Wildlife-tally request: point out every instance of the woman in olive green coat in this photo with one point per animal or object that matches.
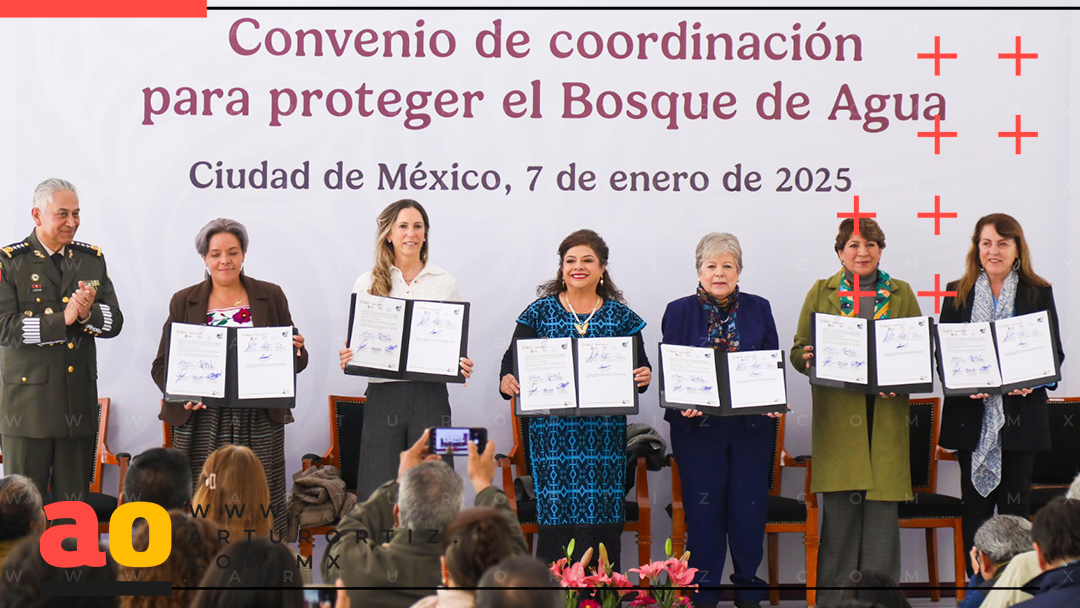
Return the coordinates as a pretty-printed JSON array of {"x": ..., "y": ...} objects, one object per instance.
[{"x": 860, "y": 442}]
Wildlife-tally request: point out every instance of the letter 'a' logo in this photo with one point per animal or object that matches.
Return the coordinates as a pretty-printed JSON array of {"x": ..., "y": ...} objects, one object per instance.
[{"x": 85, "y": 532}]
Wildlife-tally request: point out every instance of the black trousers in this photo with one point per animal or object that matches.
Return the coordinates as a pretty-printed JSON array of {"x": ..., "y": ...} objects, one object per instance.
[
  {"x": 395, "y": 416},
  {"x": 1011, "y": 497}
]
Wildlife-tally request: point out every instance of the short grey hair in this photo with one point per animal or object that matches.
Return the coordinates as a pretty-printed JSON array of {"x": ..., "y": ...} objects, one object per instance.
[
  {"x": 44, "y": 192},
  {"x": 718, "y": 243},
  {"x": 1073, "y": 492},
  {"x": 20, "y": 506},
  {"x": 1002, "y": 537},
  {"x": 221, "y": 224},
  {"x": 429, "y": 497}
]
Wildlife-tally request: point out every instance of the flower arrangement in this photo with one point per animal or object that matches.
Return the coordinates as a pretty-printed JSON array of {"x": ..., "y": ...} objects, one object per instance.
[{"x": 607, "y": 587}]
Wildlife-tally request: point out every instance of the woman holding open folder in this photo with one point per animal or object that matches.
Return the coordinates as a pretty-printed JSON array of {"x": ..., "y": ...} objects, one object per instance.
[
  {"x": 723, "y": 461},
  {"x": 996, "y": 436},
  {"x": 859, "y": 442},
  {"x": 396, "y": 413},
  {"x": 229, "y": 298},
  {"x": 578, "y": 463}
]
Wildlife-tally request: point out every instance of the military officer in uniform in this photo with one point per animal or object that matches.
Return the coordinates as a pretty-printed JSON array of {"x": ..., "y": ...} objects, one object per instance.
[{"x": 55, "y": 300}]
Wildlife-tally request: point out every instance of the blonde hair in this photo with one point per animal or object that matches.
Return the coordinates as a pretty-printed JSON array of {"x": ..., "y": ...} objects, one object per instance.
[
  {"x": 232, "y": 480},
  {"x": 381, "y": 281}
]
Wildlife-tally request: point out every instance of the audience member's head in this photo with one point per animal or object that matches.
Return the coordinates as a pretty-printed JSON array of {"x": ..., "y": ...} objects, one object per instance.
[
  {"x": 232, "y": 492},
  {"x": 1074, "y": 489},
  {"x": 519, "y": 582},
  {"x": 475, "y": 540},
  {"x": 161, "y": 476},
  {"x": 252, "y": 563},
  {"x": 21, "y": 513},
  {"x": 999, "y": 539},
  {"x": 1056, "y": 533},
  {"x": 25, "y": 571},
  {"x": 876, "y": 588},
  {"x": 194, "y": 545},
  {"x": 429, "y": 496}
]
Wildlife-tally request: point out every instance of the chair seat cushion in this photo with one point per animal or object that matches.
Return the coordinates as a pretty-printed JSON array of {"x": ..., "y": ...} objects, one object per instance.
[
  {"x": 103, "y": 505},
  {"x": 784, "y": 510},
  {"x": 527, "y": 511},
  {"x": 931, "y": 506}
]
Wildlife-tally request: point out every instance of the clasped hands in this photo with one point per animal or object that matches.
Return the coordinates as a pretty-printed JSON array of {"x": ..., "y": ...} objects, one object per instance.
[{"x": 78, "y": 305}]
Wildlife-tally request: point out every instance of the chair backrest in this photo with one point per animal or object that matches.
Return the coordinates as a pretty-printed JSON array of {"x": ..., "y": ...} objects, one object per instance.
[
  {"x": 346, "y": 420},
  {"x": 519, "y": 454},
  {"x": 924, "y": 425},
  {"x": 1057, "y": 467},
  {"x": 101, "y": 434},
  {"x": 775, "y": 475}
]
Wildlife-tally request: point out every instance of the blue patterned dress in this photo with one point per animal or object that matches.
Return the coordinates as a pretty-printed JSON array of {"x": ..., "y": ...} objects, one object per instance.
[{"x": 578, "y": 464}]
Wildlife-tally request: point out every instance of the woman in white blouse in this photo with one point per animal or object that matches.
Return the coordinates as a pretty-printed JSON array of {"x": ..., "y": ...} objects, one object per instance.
[{"x": 397, "y": 412}]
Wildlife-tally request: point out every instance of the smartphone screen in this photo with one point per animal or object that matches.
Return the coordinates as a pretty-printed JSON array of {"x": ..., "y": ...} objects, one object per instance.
[
  {"x": 320, "y": 597},
  {"x": 447, "y": 439},
  {"x": 456, "y": 440}
]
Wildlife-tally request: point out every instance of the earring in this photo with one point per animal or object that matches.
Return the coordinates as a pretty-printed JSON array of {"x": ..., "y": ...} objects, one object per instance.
[
  {"x": 601, "y": 281},
  {"x": 1016, "y": 264}
]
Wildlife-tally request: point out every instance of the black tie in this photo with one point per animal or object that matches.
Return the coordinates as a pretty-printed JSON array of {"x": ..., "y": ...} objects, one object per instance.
[{"x": 57, "y": 258}]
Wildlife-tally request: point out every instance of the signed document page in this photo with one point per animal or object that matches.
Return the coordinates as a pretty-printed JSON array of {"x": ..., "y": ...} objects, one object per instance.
[
  {"x": 435, "y": 338},
  {"x": 377, "y": 329},
  {"x": 904, "y": 354},
  {"x": 756, "y": 378},
  {"x": 197, "y": 360},
  {"x": 968, "y": 358},
  {"x": 606, "y": 372},
  {"x": 265, "y": 367},
  {"x": 690, "y": 375},
  {"x": 546, "y": 374},
  {"x": 840, "y": 348},
  {"x": 1025, "y": 348}
]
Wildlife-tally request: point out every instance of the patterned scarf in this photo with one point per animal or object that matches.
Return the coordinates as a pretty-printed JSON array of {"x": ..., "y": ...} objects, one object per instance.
[
  {"x": 881, "y": 300},
  {"x": 721, "y": 316},
  {"x": 986, "y": 459}
]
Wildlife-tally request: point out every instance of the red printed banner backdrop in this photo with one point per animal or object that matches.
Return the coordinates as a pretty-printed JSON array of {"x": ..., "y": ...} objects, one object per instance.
[{"x": 104, "y": 9}]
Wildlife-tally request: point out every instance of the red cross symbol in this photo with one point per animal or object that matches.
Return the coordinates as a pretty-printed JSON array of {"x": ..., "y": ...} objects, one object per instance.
[
  {"x": 1018, "y": 55},
  {"x": 937, "y": 134},
  {"x": 855, "y": 293},
  {"x": 937, "y": 55},
  {"x": 855, "y": 215},
  {"x": 1018, "y": 134},
  {"x": 937, "y": 294},
  {"x": 937, "y": 215}
]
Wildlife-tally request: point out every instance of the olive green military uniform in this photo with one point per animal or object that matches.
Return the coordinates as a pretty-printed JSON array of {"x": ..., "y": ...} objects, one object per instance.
[{"x": 48, "y": 406}]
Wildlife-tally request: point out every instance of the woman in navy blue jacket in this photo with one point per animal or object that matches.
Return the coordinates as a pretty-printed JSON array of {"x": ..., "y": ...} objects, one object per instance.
[{"x": 723, "y": 462}]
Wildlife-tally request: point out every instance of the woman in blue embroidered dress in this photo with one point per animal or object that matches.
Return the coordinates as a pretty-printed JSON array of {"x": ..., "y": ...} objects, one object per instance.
[{"x": 578, "y": 464}]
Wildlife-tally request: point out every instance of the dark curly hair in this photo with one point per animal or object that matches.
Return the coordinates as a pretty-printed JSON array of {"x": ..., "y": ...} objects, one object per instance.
[{"x": 592, "y": 240}]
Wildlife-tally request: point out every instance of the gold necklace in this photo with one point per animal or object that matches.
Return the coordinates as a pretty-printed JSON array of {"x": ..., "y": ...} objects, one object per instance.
[{"x": 579, "y": 325}]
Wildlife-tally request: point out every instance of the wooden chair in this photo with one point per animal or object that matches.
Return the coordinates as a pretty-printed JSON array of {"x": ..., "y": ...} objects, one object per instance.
[
  {"x": 786, "y": 515},
  {"x": 1056, "y": 468},
  {"x": 927, "y": 509},
  {"x": 346, "y": 420},
  {"x": 638, "y": 511}
]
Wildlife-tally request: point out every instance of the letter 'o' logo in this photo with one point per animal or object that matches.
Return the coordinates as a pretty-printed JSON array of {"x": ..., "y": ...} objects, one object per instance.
[{"x": 85, "y": 531}]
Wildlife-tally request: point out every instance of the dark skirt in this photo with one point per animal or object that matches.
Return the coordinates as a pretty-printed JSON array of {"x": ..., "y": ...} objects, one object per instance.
[{"x": 209, "y": 429}]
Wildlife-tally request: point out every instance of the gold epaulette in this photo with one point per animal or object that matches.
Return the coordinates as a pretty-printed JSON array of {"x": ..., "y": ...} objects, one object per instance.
[
  {"x": 15, "y": 249},
  {"x": 87, "y": 248}
]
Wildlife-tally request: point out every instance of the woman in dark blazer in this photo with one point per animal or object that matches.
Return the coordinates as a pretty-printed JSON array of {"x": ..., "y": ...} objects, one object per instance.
[
  {"x": 996, "y": 437},
  {"x": 723, "y": 462},
  {"x": 231, "y": 299}
]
